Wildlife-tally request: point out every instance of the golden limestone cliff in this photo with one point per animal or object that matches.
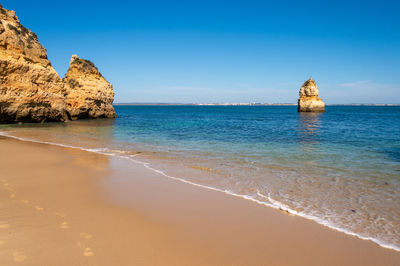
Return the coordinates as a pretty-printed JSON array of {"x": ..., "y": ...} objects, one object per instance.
[
  {"x": 309, "y": 100},
  {"x": 30, "y": 88},
  {"x": 32, "y": 91},
  {"x": 89, "y": 95}
]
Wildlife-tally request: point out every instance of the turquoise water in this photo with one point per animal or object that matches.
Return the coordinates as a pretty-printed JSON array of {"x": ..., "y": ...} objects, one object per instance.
[{"x": 340, "y": 168}]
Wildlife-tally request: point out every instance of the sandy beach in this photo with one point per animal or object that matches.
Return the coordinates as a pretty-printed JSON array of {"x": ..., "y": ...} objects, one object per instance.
[{"x": 64, "y": 206}]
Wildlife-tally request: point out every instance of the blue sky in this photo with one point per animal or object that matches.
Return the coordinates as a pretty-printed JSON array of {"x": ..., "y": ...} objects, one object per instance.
[{"x": 226, "y": 51}]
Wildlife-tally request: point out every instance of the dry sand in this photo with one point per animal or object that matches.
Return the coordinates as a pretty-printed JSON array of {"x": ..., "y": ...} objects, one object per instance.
[{"x": 63, "y": 206}]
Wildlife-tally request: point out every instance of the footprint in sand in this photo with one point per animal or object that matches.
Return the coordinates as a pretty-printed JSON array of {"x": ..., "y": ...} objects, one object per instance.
[
  {"x": 12, "y": 195},
  {"x": 64, "y": 225},
  {"x": 85, "y": 235},
  {"x": 4, "y": 225},
  {"x": 19, "y": 256},
  {"x": 59, "y": 214},
  {"x": 88, "y": 252},
  {"x": 39, "y": 208}
]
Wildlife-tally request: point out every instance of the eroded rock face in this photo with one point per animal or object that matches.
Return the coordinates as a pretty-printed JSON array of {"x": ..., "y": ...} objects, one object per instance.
[
  {"x": 89, "y": 94},
  {"x": 30, "y": 88},
  {"x": 309, "y": 100},
  {"x": 32, "y": 91}
]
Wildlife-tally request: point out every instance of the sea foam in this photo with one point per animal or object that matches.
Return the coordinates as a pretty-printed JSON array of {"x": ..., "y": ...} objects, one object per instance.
[{"x": 267, "y": 201}]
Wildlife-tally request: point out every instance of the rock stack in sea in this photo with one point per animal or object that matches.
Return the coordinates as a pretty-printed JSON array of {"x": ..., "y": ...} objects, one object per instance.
[
  {"x": 32, "y": 91},
  {"x": 309, "y": 100}
]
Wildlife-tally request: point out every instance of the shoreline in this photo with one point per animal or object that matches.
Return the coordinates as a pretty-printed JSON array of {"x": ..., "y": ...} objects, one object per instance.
[
  {"x": 118, "y": 189},
  {"x": 273, "y": 203}
]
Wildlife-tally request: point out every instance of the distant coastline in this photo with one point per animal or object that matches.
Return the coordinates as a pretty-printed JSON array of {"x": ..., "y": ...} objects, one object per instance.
[{"x": 250, "y": 104}]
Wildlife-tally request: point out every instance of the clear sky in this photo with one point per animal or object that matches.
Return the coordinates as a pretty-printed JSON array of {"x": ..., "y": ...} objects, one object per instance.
[{"x": 226, "y": 51}]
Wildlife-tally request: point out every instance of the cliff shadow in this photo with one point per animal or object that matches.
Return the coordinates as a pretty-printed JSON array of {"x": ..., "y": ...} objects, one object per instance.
[{"x": 92, "y": 135}]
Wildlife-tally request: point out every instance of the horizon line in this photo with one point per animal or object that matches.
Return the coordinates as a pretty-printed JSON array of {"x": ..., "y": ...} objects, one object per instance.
[{"x": 251, "y": 104}]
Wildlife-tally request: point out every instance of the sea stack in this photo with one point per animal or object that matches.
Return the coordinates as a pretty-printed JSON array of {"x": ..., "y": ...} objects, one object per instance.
[
  {"x": 31, "y": 91},
  {"x": 309, "y": 100}
]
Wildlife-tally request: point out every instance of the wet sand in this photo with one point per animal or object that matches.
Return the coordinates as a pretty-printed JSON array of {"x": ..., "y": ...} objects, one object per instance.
[{"x": 63, "y": 206}]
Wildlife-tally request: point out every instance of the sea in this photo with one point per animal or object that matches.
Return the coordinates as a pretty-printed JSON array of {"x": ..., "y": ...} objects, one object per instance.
[{"x": 340, "y": 168}]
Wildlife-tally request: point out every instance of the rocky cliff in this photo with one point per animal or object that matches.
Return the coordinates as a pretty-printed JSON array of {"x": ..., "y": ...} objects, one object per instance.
[
  {"x": 30, "y": 88},
  {"x": 309, "y": 100},
  {"x": 32, "y": 91},
  {"x": 89, "y": 95}
]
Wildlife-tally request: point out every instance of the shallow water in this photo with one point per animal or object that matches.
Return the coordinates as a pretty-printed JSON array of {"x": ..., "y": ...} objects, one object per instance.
[{"x": 340, "y": 168}]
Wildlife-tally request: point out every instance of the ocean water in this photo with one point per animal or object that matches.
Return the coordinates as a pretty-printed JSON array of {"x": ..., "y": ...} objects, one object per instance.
[{"x": 340, "y": 168}]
